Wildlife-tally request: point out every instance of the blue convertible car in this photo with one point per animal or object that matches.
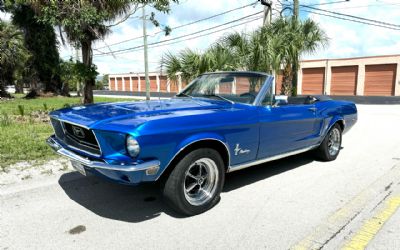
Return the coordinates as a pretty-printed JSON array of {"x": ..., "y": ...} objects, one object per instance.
[{"x": 221, "y": 122}]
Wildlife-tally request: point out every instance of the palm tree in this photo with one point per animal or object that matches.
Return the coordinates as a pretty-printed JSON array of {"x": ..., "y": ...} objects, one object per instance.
[
  {"x": 292, "y": 39},
  {"x": 266, "y": 49},
  {"x": 189, "y": 63},
  {"x": 13, "y": 55},
  {"x": 236, "y": 51},
  {"x": 251, "y": 51}
]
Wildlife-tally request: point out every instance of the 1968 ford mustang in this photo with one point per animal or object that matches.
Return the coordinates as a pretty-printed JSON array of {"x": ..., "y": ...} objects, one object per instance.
[{"x": 221, "y": 122}]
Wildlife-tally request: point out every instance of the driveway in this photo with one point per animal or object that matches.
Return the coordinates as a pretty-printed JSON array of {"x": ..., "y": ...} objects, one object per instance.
[{"x": 294, "y": 203}]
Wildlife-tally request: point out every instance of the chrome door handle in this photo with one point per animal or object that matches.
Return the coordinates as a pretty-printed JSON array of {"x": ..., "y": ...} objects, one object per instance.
[{"x": 313, "y": 109}]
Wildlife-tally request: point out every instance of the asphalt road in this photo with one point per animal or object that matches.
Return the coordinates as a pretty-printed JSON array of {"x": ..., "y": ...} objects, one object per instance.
[{"x": 294, "y": 203}]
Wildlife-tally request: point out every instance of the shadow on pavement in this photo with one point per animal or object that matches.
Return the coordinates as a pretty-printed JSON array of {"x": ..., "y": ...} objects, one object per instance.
[
  {"x": 113, "y": 201},
  {"x": 261, "y": 172},
  {"x": 144, "y": 202}
]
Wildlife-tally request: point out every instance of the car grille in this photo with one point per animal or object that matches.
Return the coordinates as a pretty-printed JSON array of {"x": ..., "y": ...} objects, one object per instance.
[{"x": 77, "y": 137}]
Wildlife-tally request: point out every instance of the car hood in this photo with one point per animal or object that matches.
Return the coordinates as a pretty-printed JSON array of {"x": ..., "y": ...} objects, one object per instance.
[{"x": 132, "y": 114}]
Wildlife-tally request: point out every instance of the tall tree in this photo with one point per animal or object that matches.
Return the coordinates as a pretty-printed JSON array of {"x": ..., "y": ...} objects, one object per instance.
[
  {"x": 13, "y": 55},
  {"x": 41, "y": 41},
  {"x": 85, "y": 21},
  {"x": 294, "y": 38},
  {"x": 235, "y": 51}
]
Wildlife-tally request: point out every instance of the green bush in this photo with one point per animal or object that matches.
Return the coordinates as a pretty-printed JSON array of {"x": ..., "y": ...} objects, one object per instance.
[{"x": 21, "y": 110}]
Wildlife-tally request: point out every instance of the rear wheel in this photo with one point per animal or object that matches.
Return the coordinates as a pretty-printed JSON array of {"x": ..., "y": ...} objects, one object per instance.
[
  {"x": 330, "y": 146},
  {"x": 196, "y": 182}
]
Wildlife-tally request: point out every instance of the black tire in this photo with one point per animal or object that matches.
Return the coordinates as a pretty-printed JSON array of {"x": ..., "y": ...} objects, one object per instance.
[
  {"x": 328, "y": 151},
  {"x": 175, "y": 190}
]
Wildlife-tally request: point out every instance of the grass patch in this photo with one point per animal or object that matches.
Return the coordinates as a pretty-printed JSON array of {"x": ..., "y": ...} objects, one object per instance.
[
  {"x": 24, "y": 142},
  {"x": 19, "y": 105},
  {"x": 24, "y": 139}
]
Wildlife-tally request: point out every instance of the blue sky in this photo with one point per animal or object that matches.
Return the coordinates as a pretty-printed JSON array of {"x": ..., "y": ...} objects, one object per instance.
[{"x": 347, "y": 39}]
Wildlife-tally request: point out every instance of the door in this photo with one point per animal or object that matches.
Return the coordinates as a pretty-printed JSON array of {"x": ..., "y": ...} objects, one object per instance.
[
  {"x": 286, "y": 128},
  {"x": 380, "y": 79},
  {"x": 313, "y": 81},
  {"x": 344, "y": 80}
]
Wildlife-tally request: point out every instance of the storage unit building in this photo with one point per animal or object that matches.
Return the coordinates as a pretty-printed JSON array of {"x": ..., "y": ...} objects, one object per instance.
[
  {"x": 380, "y": 79},
  {"x": 344, "y": 80}
]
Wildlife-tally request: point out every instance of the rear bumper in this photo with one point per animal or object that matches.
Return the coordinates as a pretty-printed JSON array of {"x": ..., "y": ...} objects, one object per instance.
[{"x": 125, "y": 174}]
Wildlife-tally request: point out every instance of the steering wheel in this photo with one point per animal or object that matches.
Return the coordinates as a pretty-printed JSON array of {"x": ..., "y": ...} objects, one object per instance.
[{"x": 248, "y": 94}]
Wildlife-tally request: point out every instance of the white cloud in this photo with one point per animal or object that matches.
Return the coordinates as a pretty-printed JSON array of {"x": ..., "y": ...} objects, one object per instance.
[{"x": 348, "y": 39}]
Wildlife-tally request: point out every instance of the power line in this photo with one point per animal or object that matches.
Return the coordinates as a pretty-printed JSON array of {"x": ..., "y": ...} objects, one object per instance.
[
  {"x": 352, "y": 20},
  {"x": 383, "y": 4},
  {"x": 319, "y": 4},
  {"x": 316, "y": 4},
  {"x": 183, "y": 36},
  {"x": 138, "y": 48},
  {"x": 210, "y": 33},
  {"x": 184, "y": 25},
  {"x": 351, "y": 16},
  {"x": 363, "y": 20}
]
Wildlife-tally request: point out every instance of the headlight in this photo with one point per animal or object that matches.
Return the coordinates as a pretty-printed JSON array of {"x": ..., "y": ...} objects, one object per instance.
[{"x": 132, "y": 146}]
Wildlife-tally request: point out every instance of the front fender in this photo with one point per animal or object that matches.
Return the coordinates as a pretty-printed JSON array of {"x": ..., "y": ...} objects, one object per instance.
[
  {"x": 187, "y": 141},
  {"x": 199, "y": 137}
]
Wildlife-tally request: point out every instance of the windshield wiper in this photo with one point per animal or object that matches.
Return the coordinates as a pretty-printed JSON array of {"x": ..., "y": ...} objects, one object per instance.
[{"x": 220, "y": 97}]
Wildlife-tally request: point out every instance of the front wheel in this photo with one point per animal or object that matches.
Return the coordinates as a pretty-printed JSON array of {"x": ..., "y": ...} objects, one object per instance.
[
  {"x": 330, "y": 146},
  {"x": 195, "y": 184}
]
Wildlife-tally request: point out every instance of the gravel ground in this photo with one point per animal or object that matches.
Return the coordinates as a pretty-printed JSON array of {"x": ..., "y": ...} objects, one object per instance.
[{"x": 21, "y": 172}]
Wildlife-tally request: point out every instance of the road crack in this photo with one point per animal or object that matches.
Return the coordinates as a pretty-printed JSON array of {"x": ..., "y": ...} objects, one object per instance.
[{"x": 339, "y": 230}]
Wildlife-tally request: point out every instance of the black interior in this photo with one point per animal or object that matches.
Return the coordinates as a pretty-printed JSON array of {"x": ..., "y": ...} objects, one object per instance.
[
  {"x": 291, "y": 100},
  {"x": 302, "y": 100}
]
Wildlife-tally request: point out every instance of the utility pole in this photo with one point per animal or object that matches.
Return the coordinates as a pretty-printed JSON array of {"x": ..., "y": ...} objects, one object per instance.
[
  {"x": 146, "y": 63},
  {"x": 267, "y": 21},
  {"x": 296, "y": 9},
  {"x": 294, "y": 68},
  {"x": 78, "y": 84},
  {"x": 267, "y": 11}
]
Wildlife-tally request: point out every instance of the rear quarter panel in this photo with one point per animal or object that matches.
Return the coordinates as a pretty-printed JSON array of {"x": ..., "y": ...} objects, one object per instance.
[{"x": 332, "y": 111}]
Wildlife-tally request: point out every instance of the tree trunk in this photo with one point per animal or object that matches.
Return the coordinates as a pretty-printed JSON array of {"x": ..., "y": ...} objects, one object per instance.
[
  {"x": 19, "y": 88},
  {"x": 295, "y": 76},
  {"x": 34, "y": 83},
  {"x": 287, "y": 79},
  {"x": 88, "y": 82},
  {"x": 65, "y": 89},
  {"x": 60, "y": 87},
  {"x": 78, "y": 89}
]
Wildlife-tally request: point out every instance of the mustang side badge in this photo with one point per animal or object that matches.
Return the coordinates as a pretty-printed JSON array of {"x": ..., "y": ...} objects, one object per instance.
[{"x": 238, "y": 150}]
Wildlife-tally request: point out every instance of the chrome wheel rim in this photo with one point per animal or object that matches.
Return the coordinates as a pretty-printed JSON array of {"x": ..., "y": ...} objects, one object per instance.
[
  {"x": 200, "y": 182},
  {"x": 334, "y": 141}
]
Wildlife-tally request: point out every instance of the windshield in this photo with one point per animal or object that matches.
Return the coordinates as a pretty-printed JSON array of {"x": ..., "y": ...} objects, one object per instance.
[{"x": 230, "y": 87}]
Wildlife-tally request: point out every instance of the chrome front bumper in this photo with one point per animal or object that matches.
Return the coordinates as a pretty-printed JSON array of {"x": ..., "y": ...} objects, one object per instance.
[{"x": 149, "y": 167}]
